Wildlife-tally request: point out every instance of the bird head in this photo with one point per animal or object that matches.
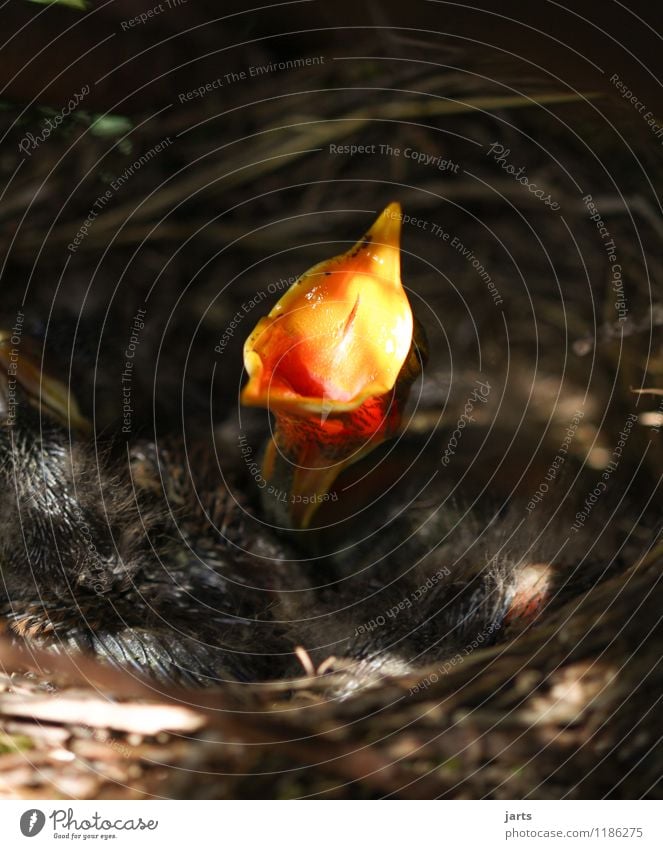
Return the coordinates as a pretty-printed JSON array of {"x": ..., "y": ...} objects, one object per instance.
[{"x": 334, "y": 361}]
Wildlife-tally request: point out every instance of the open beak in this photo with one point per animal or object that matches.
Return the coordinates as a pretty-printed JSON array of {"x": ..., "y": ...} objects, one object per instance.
[
  {"x": 333, "y": 361},
  {"x": 21, "y": 365}
]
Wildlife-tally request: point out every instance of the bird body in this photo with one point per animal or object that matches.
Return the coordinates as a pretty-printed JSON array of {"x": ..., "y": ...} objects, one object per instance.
[
  {"x": 201, "y": 591},
  {"x": 156, "y": 562}
]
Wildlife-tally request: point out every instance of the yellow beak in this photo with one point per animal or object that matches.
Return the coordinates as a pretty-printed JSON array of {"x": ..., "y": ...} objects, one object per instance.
[{"x": 333, "y": 361}]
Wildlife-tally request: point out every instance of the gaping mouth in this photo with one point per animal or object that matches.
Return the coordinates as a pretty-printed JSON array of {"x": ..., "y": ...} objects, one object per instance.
[
  {"x": 23, "y": 380},
  {"x": 334, "y": 361},
  {"x": 339, "y": 335}
]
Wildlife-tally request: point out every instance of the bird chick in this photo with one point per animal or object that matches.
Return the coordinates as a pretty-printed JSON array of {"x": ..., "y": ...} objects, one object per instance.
[{"x": 119, "y": 559}]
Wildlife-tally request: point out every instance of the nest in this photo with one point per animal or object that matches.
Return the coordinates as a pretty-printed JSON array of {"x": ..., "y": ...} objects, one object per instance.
[{"x": 194, "y": 210}]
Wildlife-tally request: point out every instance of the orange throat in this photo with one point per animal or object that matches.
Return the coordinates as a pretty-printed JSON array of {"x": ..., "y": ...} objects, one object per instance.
[{"x": 333, "y": 361}]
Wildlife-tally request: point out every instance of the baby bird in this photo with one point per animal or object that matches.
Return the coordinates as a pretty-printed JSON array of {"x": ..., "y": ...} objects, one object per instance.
[
  {"x": 109, "y": 557},
  {"x": 405, "y": 573},
  {"x": 145, "y": 556}
]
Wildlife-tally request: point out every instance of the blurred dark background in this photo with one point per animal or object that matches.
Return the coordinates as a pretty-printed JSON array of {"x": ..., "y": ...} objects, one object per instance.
[
  {"x": 165, "y": 169},
  {"x": 204, "y": 182}
]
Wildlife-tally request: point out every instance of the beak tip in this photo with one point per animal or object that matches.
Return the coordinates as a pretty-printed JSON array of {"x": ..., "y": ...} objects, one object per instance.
[{"x": 386, "y": 230}]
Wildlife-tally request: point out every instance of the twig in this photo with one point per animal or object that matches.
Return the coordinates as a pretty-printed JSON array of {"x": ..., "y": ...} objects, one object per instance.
[{"x": 97, "y": 713}]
